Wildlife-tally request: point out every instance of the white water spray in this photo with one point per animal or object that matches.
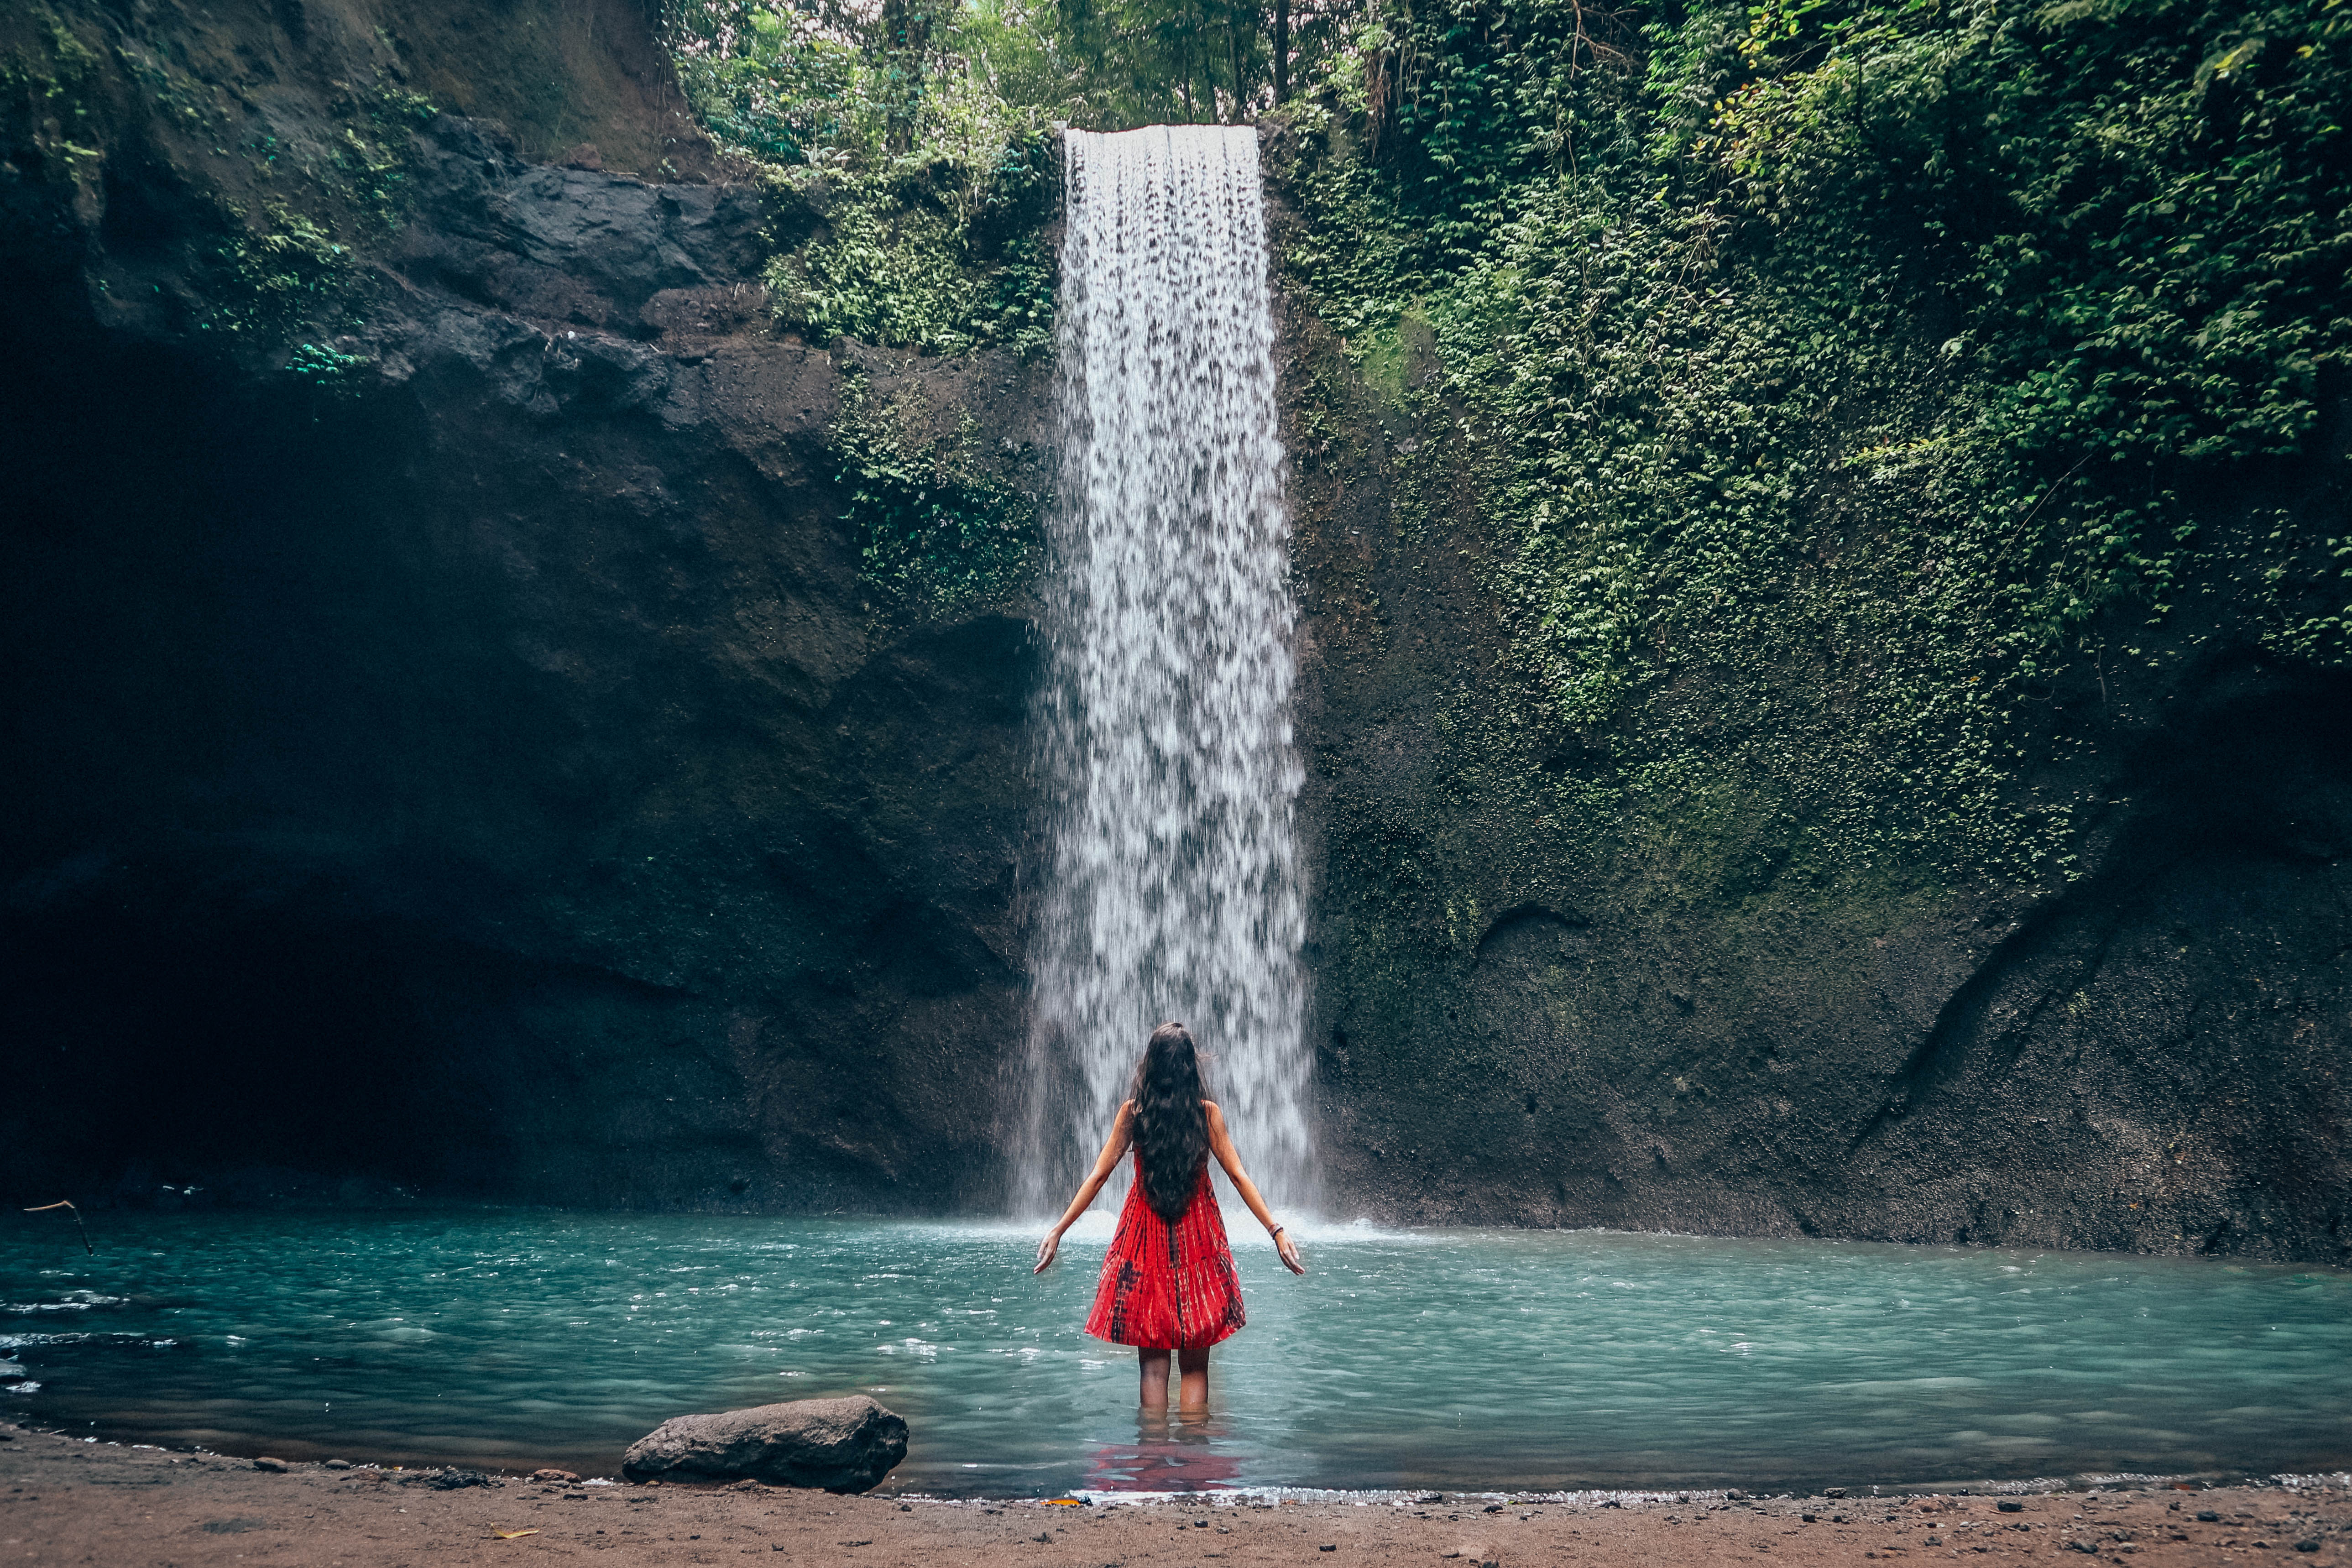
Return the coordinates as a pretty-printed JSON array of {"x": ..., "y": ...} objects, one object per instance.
[{"x": 1172, "y": 889}]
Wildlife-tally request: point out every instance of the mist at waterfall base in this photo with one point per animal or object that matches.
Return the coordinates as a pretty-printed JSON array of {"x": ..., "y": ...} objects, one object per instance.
[
  {"x": 1458, "y": 1360},
  {"x": 1170, "y": 888}
]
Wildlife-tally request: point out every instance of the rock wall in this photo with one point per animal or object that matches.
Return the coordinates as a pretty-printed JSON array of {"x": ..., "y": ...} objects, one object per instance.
[
  {"x": 1533, "y": 1009},
  {"x": 457, "y": 754},
  {"x": 461, "y": 750}
]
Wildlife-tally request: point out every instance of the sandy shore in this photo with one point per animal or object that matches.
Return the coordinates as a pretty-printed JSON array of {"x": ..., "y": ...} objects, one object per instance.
[{"x": 64, "y": 1500}]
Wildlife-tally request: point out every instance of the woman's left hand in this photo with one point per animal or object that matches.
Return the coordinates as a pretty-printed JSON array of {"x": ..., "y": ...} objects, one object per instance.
[{"x": 1047, "y": 1251}]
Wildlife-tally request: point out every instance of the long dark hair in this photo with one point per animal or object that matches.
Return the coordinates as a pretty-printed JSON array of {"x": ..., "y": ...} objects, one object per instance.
[{"x": 1171, "y": 1130}]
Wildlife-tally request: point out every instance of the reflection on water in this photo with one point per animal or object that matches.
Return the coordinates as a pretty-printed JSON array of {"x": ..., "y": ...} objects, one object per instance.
[
  {"x": 1440, "y": 1358},
  {"x": 1170, "y": 1453}
]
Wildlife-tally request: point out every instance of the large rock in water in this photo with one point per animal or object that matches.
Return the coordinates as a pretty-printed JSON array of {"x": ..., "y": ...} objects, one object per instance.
[{"x": 841, "y": 1445}]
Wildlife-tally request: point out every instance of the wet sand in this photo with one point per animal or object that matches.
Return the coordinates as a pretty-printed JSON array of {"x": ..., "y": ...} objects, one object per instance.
[{"x": 64, "y": 1500}]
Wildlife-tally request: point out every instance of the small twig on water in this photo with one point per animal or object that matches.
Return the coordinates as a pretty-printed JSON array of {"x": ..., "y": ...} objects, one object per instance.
[{"x": 64, "y": 1203}]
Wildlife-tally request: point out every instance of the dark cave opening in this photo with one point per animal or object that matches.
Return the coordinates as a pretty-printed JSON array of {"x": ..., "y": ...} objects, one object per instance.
[
  {"x": 209, "y": 971},
  {"x": 258, "y": 1056},
  {"x": 2259, "y": 765}
]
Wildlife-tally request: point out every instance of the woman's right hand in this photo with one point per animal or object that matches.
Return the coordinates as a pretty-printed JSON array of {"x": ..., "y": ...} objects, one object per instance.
[
  {"x": 1047, "y": 1251},
  {"x": 1288, "y": 1250}
]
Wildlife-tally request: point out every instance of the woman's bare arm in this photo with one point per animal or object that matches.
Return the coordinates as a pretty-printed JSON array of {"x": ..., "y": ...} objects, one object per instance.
[
  {"x": 1220, "y": 1144},
  {"x": 1122, "y": 1133}
]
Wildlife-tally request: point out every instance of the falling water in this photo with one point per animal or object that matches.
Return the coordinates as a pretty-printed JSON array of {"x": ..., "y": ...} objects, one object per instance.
[{"x": 1172, "y": 889}]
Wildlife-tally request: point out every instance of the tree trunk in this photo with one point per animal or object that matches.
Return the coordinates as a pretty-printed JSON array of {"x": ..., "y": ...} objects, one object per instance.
[
  {"x": 906, "y": 37},
  {"x": 1233, "y": 50},
  {"x": 1281, "y": 50}
]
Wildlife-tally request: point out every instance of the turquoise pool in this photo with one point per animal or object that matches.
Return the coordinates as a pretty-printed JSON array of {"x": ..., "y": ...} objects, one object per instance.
[{"x": 1451, "y": 1359}]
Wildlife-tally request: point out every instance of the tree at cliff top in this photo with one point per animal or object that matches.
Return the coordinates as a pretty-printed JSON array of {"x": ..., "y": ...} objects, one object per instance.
[
  {"x": 912, "y": 186},
  {"x": 784, "y": 80},
  {"x": 918, "y": 137}
]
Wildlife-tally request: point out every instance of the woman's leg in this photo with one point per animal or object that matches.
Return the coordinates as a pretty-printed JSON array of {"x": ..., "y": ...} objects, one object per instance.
[
  {"x": 1194, "y": 1366},
  {"x": 1154, "y": 1366}
]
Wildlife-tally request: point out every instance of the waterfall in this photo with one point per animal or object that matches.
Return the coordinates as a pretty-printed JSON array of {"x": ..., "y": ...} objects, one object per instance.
[{"x": 1171, "y": 889}]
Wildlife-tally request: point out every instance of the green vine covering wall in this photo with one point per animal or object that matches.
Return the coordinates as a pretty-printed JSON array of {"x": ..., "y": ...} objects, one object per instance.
[
  {"x": 941, "y": 530},
  {"x": 272, "y": 227},
  {"x": 1849, "y": 369}
]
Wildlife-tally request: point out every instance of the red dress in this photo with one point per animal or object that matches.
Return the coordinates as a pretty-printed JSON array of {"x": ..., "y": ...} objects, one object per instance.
[{"x": 1168, "y": 1287}]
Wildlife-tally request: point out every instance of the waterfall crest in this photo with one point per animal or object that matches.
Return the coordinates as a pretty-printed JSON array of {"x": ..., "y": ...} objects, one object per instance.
[{"x": 1171, "y": 889}]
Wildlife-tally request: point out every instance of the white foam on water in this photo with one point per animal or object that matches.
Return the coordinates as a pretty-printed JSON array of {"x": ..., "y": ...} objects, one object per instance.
[{"x": 1171, "y": 889}]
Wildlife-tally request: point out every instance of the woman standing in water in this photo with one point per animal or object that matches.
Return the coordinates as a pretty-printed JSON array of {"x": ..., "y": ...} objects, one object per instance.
[{"x": 1168, "y": 1282}]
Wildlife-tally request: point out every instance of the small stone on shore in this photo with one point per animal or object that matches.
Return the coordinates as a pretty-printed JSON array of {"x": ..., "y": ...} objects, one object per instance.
[
  {"x": 451, "y": 1479},
  {"x": 839, "y": 1445},
  {"x": 267, "y": 1463}
]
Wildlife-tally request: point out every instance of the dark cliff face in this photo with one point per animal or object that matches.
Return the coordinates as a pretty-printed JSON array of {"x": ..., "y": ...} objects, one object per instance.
[{"x": 475, "y": 767}]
